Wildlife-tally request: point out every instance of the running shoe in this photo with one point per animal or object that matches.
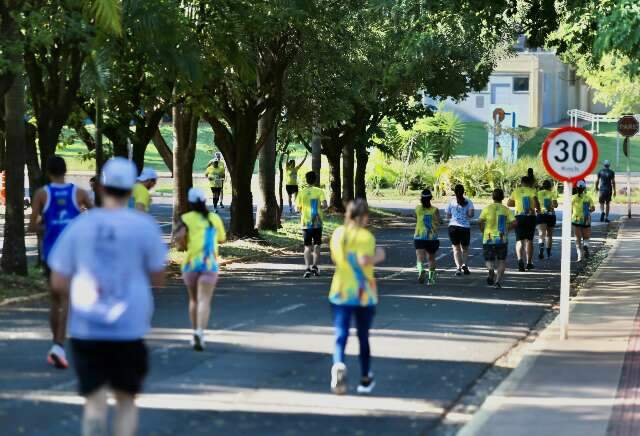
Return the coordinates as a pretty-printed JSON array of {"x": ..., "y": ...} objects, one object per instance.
[
  {"x": 198, "y": 341},
  {"x": 307, "y": 273},
  {"x": 465, "y": 269},
  {"x": 586, "y": 252},
  {"x": 366, "y": 384},
  {"x": 490, "y": 278},
  {"x": 339, "y": 378},
  {"x": 458, "y": 272},
  {"x": 530, "y": 266},
  {"x": 221, "y": 206},
  {"x": 422, "y": 276},
  {"x": 521, "y": 265},
  {"x": 57, "y": 357},
  {"x": 432, "y": 277},
  {"x": 498, "y": 285},
  {"x": 315, "y": 271}
]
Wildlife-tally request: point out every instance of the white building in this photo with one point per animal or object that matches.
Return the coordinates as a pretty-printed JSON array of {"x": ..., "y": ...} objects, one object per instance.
[{"x": 535, "y": 84}]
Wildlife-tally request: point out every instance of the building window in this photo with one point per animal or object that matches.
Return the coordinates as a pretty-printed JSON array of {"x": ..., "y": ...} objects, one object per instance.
[
  {"x": 520, "y": 84},
  {"x": 479, "y": 101}
]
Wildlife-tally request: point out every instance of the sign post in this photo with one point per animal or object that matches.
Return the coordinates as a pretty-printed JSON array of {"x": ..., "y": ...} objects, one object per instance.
[
  {"x": 628, "y": 126},
  {"x": 569, "y": 154}
]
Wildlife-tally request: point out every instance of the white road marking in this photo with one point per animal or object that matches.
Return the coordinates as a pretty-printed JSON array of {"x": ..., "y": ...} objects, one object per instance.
[{"x": 289, "y": 308}]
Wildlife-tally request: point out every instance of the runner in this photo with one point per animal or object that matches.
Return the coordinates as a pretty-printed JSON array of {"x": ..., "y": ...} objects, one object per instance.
[
  {"x": 526, "y": 203},
  {"x": 141, "y": 197},
  {"x": 606, "y": 187},
  {"x": 311, "y": 202},
  {"x": 546, "y": 219},
  {"x": 496, "y": 220},
  {"x": 215, "y": 174},
  {"x": 425, "y": 238},
  {"x": 459, "y": 212},
  {"x": 582, "y": 207},
  {"x": 292, "y": 179},
  {"x": 53, "y": 208},
  {"x": 200, "y": 233},
  {"x": 106, "y": 261},
  {"x": 353, "y": 292}
]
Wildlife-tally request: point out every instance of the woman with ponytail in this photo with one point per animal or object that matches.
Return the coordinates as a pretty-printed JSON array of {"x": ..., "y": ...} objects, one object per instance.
[
  {"x": 200, "y": 233},
  {"x": 353, "y": 292},
  {"x": 425, "y": 238},
  {"x": 459, "y": 212}
]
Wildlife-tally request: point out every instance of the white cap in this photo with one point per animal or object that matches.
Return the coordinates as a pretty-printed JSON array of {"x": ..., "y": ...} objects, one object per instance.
[
  {"x": 218, "y": 155},
  {"x": 147, "y": 174},
  {"x": 581, "y": 184},
  {"x": 119, "y": 173},
  {"x": 607, "y": 163},
  {"x": 197, "y": 195}
]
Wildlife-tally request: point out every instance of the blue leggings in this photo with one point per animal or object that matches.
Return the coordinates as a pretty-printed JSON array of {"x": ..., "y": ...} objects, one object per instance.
[{"x": 342, "y": 322}]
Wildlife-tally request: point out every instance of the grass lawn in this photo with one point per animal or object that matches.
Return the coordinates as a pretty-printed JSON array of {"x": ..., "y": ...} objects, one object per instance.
[{"x": 12, "y": 286}]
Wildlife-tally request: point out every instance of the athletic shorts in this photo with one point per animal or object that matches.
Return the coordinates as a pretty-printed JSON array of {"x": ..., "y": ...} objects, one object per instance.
[
  {"x": 582, "y": 226},
  {"x": 460, "y": 235},
  {"x": 292, "y": 189},
  {"x": 430, "y": 246},
  {"x": 526, "y": 228},
  {"x": 121, "y": 365},
  {"x": 312, "y": 236},
  {"x": 191, "y": 279},
  {"x": 605, "y": 196},
  {"x": 216, "y": 191},
  {"x": 546, "y": 218},
  {"x": 494, "y": 251}
]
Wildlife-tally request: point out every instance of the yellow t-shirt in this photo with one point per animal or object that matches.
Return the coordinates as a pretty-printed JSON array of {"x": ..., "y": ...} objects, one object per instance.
[
  {"x": 497, "y": 218},
  {"x": 309, "y": 203},
  {"x": 426, "y": 223},
  {"x": 546, "y": 199},
  {"x": 525, "y": 200},
  {"x": 141, "y": 195},
  {"x": 215, "y": 175},
  {"x": 581, "y": 208},
  {"x": 203, "y": 239},
  {"x": 352, "y": 284},
  {"x": 292, "y": 176}
]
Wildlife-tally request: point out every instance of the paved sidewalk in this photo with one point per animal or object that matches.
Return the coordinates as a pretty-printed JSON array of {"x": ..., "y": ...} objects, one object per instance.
[{"x": 588, "y": 384}]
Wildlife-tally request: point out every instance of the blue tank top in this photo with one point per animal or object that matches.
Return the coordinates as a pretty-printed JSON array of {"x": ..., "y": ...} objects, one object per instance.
[{"x": 58, "y": 212}]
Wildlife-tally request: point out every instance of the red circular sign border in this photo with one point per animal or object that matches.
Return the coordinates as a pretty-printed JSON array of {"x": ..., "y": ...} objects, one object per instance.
[{"x": 547, "y": 142}]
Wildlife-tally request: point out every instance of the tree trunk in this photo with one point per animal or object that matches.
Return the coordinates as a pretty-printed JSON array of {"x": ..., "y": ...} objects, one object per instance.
[
  {"x": 31, "y": 156},
  {"x": 267, "y": 215},
  {"x": 163, "y": 149},
  {"x": 280, "y": 187},
  {"x": 347, "y": 173},
  {"x": 2, "y": 135},
  {"x": 362, "y": 158},
  {"x": 335, "y": 196},
  {"x": 316, "y": 152},
  {"x": 14, "y": 256},
  {"x": 185, "y": 131},
  {"x": 241, "y": 171}
]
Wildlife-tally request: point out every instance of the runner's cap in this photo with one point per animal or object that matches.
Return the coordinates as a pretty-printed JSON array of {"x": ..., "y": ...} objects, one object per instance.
[
  {"x": 607, "y": 163},
  {"x": 147, "y": 174},
  {"x": 581, "y": 184},
  {"x": 118, "y": 173},
  {"x": 197, "y": 195}
]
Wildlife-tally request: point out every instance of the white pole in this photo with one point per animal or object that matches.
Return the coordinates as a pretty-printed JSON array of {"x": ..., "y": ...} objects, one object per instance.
[
  {"x": 628, "y": 177},
  {"x": 565, "y": 264}
]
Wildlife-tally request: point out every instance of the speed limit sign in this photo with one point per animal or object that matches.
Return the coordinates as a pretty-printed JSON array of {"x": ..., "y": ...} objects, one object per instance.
[{"x": 569, "y": 154}]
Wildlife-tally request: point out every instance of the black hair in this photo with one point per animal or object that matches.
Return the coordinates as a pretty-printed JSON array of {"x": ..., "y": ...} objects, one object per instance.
[
  {"x": 117, "y": 192},
  {"x": 310, "y": 177},
  {"x": 56, "y": 166},
  {"x": 459, "y": 192},
  {"x": 291, "y": 162},
  {"x": 425, "y": 198},
  {"x": 530, "y": 172},
  {"x": 525, "y": 180},
  {"x": 497, "y": 195},
  {"x": 201, "y": 208},
  {"x": 546, "y": 184}
]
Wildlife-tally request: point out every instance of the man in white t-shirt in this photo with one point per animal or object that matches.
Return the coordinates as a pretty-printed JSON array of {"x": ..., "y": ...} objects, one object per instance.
[
  {"x": 107, "y": 260},
  {"x": 459, "y": 212}
]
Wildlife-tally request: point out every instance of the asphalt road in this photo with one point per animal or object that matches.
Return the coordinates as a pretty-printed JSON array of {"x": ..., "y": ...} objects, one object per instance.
[{"x": 266, "y": 367}]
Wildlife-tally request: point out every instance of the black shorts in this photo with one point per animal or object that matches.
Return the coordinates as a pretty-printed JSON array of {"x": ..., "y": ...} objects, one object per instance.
[
  {"x": 546, "y": 218},
  {"x": 121, "y": 365},
  {"x": 526, "y": 228},
  {"x": 292, "y": 189},
  {"x": 312, "y": 236},
  {"x": 430, "y": 246},
  {"x": 459, "y": 235},
  {"x": 216, "y": 191},
  {"x": 582, "y": 226},
  {"x": 605, "y": 196},
  {"x": 494, "y": 251}
]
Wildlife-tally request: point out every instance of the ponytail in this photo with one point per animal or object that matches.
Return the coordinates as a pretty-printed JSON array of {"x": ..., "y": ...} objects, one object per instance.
[
  {"x": 201, "y": 208},
  {"x": 459, "y": 192}
]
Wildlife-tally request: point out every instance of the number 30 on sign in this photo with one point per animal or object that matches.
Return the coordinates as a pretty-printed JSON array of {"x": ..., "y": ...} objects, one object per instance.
[{"x": 570, "y": 154}]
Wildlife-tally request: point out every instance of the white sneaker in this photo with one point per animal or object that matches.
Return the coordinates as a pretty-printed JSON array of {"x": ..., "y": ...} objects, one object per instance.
[
  {"x": 198, "y": 340},
  {"x": 339, "y": 378},
  {"x": 57, "y": 357},
  {"x": 366, "y": 384}
]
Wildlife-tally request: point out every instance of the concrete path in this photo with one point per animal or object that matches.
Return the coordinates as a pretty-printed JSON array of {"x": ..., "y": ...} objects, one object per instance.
[{"x": 586, "y": 385}]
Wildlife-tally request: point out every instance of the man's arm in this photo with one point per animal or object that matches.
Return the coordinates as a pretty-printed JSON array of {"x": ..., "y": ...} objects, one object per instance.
[
  {"x": 157, "y": 279},
  {"x": 36, "y": 210},
  {"x": 181, "y": 237},
  {"x": 598, "y": 182},
  {"x": 303, "y": 161}
]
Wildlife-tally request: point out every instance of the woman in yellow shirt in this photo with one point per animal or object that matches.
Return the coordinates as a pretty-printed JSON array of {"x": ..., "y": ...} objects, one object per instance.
[
  {"x": 425, "y": 238},
  {"x": 546, "y": 218},
  {"x": 581, "y": 208},
  {"x": 200, "y": 233},
  {"x": 292, "y": 179},
  {"x": 353, "y": 292}
]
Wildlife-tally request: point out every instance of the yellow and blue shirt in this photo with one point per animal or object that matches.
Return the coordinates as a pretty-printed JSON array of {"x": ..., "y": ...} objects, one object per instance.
[
  {"x": 581, "y": 205},
  {"x": 497, "y": 218},
  {"x": 352, "y": 284},
  {"x": 309, "y": 203},
  {"x": 546, "y": 199},
  {"x": 524, "y": 198},
  {"x": 140, "y": 195},
  {"x": 292, "y": 176},
  {"x": 427, "y": 220},
  {"x": 215, "y": 175},
  {"x": 203, "y": 240}
]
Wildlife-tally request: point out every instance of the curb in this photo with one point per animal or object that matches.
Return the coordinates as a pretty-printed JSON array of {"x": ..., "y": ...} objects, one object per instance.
[{"x": 25, "y": 299}]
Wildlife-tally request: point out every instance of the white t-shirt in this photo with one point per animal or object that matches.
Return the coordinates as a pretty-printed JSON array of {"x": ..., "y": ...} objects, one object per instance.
[
  {"x": 108, "y": 254},
  {"x": 459, "y": 214}
]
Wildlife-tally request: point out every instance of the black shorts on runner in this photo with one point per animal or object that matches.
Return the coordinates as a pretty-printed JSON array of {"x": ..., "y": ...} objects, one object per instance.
[
  {"x": 429, "y": 246},
  {"x": 605, "y": 196},
  {"x": 292, "y": 189},
  {"x": 546, "y": 218},
  {"x": 526, "y": 228},
  {"x": 216, "y": 191},
  {"x": 121, "y": 365},
  {"x": 582, "y": 226},
  {"x": 459, "y": 235},
  {"x": 312, "y": 236},
  {"x": 494, "y": 251}
]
